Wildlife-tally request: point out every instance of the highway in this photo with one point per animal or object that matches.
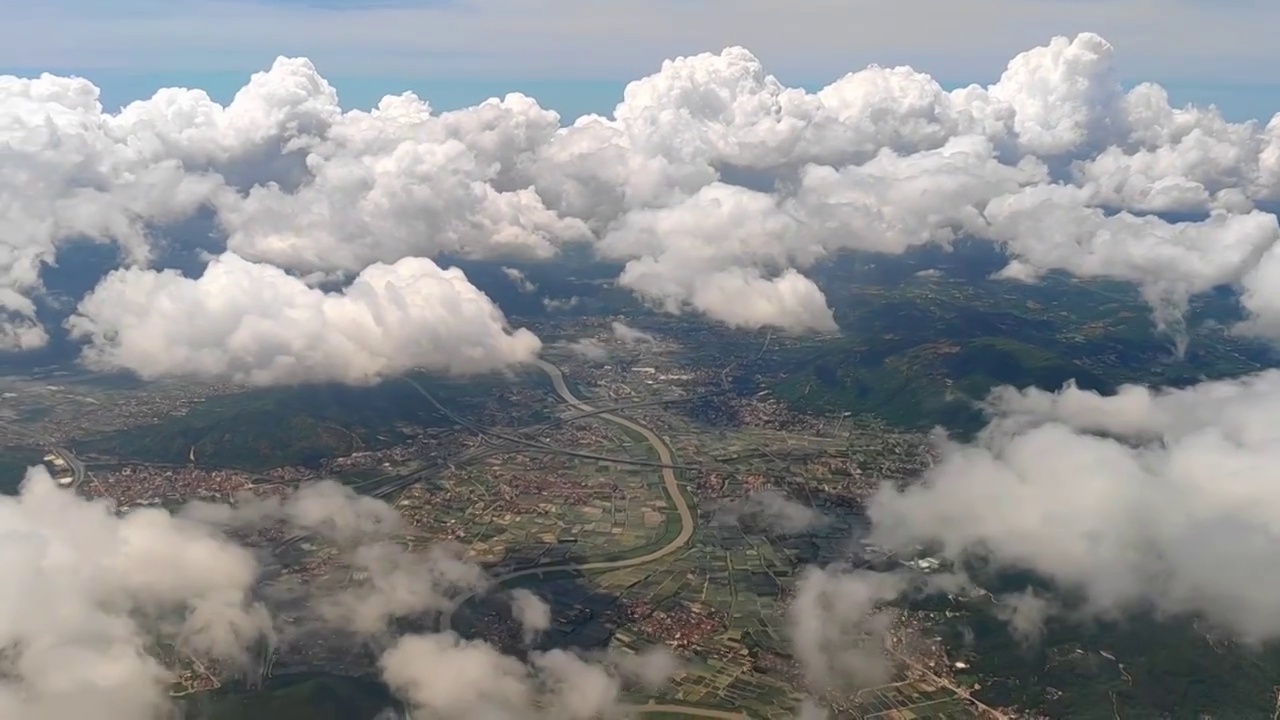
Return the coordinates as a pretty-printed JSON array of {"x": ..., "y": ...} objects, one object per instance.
[
  {"x": 666, "y": 463},
  {"x": 543, "y": 447},
  {"x": 989, "y": 712},
  {"x": 627, "y": 406},
  {"x": 654, "y": 708},
  {"x": 668, "y": 476},
  {"x": 499, "y": 441},
  {"x": 672, "y": 486},
  {"x": 668, "y": 480},
  {"x": 77, "y": 467}
]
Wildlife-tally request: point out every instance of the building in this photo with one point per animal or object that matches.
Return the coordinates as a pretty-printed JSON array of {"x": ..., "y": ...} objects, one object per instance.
[{"x": 59, "y": 469}]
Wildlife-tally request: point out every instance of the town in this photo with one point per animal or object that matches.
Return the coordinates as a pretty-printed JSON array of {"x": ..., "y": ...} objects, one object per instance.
[{"x": 520, "y": 480}]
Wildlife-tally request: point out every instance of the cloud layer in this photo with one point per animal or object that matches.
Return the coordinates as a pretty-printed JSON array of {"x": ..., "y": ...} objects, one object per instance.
[
  {"x": 99, "y": 605},
  {"x": 717, "y": 187},
  {"x": 1158, "y": 500},
  {"x": 255, "y": 323},
  {"x": 1149, "y": 500},
  {"x": 89, "y": 597}
]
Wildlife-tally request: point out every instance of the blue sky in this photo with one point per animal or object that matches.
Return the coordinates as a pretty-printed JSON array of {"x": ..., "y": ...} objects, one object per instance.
[
  {"x": 572, "y": 98},
  {"x": 575, "y": 55}
]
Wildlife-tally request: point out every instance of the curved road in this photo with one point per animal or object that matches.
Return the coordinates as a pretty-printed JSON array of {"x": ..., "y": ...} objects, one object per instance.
[
  {"x": 76, "y": 465},
  {"x": 668, "y": 481},
  {"x": 682, "y": 508},
  {"x": 655, "y": 708}
]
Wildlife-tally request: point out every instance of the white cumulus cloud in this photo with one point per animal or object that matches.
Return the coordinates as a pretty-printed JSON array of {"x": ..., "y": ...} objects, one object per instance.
[
  {"x": 255, "y": 323},
  {"x": 99, "y": 605},
  {"x": 716, "y": 185},
  {"x": 88, "y": 594},
  {"x": 1146, "y": 499}
]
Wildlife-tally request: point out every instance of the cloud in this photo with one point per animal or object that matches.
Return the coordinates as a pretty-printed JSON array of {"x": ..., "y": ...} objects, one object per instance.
[
  {"x": 450, "y": 678},
  {"x": 99, "y": 605},
  {"x": 626, "y": 334},
  {"x": 1143, "y": 500},
  {"x": 716, "y": 186},
  {"x": 518, "y": 278},
  {"x": 88, "y": 594},
  {"x": 598, "y": 351},
  {"x": 774, "y": 511},
  {"x": 256, "y": 324},
  {"x": 325, "y": 508},
  {"x": 1048, "y": 228},
  {"x": 439, "y": 673},
  {"x": 809, "y": 710},
  {"x": 399, "y": 182},
  {"x": 590, "y": 349},
  {"x": 335, "y": 512},
  {"x": 398, "y": 583},
  {"x": 389, "y": 581},
  {"x": 556, "y": 305},
  {"x": 1026, "y": 613},
  {"x": 838, "y": 632},
  {"x": 651, "y": 667},
  {"x": 532, "y": 612}
]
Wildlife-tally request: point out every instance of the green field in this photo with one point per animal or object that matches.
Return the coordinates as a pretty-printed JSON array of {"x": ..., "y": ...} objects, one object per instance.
[
  {"x": 295, "y": 697},
  {"x": 268, "y": 428}
]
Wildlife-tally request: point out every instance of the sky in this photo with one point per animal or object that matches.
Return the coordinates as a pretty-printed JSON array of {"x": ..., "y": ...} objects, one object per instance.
[{"x": 576, "y": 55}]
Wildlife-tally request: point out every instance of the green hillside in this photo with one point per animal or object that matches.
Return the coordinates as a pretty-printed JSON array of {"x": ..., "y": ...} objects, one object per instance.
[
  {"x": 267, "y": 428},
  {"x": 323, "y": 697},
  {"x": 919, "y": 352}
]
